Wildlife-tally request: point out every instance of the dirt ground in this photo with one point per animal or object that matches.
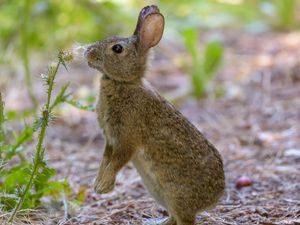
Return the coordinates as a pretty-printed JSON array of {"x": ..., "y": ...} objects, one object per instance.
[{"x": 255, "y": 125}]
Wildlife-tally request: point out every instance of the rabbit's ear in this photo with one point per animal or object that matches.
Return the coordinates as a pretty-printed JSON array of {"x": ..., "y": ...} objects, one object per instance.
[
  {"x": 150, "y": 27},
  {"x": 151, "y": 31}
]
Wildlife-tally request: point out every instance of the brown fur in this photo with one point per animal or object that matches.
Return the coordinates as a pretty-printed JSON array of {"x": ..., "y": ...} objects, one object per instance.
[{"x": 181, "y": 169}]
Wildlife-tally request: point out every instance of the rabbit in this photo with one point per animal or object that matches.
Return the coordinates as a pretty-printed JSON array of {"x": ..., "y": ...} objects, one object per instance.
[{"x": 180, "y": 168}]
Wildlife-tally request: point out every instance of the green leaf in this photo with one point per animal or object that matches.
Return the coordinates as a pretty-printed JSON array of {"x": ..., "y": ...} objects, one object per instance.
[
  {"x": 2, "y": 168},
  {"x": 198, "y": 84},
  {"x": 91, "y": 98},
  {"x": 8, "y": 201},
  {"x": 60, "y": 97},
  {"x": 16, "y": 148},
  {"x": 13, "y": 115},
  {"x": 41, "y": 181},
  {"x": 55, "y": 188},
  {"x": 81, "y": 195},
  {"x": 191, "y": 37},
  {"x": 11, "y": 152},
  {"x": 18, "y": 176},
  {"x": 78, "y": 105},
  {"x": 286, "y": 12},
  {"x": 25, "y": 135},
  {"x": 212, "y": 58}
]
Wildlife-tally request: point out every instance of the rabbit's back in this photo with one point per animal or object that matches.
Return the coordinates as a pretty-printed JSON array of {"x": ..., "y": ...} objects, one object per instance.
[{"x": 179, "y": 158}]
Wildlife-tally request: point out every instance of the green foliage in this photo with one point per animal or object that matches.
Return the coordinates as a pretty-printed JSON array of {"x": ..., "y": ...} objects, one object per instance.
[
  {"x": 25, "y": 50},
  {"x": 42, "y": 24},
  {"x": 31, "y": 25},
  {"x": 191, "y": 42},
  {"x": 25, "y": 183},
  {"x": 50, "y": 24},
  {"x": 79, "y": 105},
  {"x": 286, "y": 13},
  {"x": 253, "y": 15},
  {"x": 203, "y": 67},
  {"x": 212, "y": 58},
  {"x": 17, "y": 147},
  {"x": 60, "y": 97},
  {"x": 274, "y": 14}
]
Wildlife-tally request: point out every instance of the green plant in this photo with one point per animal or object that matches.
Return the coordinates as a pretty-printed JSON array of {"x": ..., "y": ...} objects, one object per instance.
[
  {"x": 275, "y": 14},
  {"x": 204, "y": 66},
  {"x": 24, "y": 184},
  {"x": 48, "y": 25},
  {"x": 286, "y": 13},
  {"x": 79, "y": 105},
  {"x": 25, "y": 40},
  {"x": 31, "y": 25}
]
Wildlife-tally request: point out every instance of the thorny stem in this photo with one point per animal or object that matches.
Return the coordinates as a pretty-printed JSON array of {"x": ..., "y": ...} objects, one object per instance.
[
  {"x": 38, "y": 157},
  {"x": 36, "y": 162},
  {"x": 52, "y": 74}
]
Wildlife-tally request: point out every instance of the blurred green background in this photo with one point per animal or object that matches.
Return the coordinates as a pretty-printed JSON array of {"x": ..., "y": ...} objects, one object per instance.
[
  {"x": 38, "y": 29},
  {"x": 43, "y": 26}
]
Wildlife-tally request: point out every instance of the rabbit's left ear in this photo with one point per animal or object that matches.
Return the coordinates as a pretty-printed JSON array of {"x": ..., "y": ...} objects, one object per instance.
[{"x": 149, "y": 28}]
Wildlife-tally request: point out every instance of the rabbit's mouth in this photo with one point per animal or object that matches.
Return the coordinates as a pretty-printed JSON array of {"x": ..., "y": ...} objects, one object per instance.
[
  {"x": 95, "y": 66},
  {"x": 92, "y": 65}
]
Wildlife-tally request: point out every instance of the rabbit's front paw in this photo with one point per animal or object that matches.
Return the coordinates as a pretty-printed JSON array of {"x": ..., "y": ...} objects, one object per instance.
[
  {"x": 97, "y": 181},
  {"x": 104, "y": 186}
]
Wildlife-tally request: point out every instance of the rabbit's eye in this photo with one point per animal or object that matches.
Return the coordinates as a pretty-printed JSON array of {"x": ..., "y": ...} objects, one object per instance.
[{"x": 117, "y": 48}]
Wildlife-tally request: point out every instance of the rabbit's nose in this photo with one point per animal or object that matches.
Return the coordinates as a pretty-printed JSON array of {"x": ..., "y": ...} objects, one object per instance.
[{"x": 90, "y": 53}]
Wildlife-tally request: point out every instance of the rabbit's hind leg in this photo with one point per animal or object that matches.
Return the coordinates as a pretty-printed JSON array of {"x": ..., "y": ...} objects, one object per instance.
[
  {"x": 185, "y": 220},
  {"x": 183, "y": 216}
]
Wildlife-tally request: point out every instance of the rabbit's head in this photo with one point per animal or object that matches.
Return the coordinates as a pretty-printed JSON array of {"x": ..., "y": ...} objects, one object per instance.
[{"x": 124, "y": 59}]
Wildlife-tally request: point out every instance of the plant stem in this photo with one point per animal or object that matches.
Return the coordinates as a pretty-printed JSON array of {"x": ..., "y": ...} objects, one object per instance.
[
  {"x": 24, "y": 52},
  {"x": 52, "y": 74},
  {"x": 38, "y": 157},
  {"x": 36, "y": 162}
]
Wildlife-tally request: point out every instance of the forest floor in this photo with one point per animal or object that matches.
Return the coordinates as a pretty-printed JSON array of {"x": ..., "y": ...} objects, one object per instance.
[{"x": 255, "y": 125}]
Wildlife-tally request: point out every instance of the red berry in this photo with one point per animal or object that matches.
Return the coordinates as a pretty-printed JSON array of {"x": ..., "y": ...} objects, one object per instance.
[{"x": 243, "y": 181}]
